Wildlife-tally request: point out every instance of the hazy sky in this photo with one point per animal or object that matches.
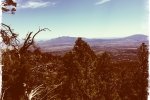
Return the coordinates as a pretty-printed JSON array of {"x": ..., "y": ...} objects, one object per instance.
[{"x": 85, "y": 18}]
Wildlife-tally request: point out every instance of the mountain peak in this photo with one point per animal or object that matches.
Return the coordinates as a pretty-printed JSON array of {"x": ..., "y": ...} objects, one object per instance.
[{"x": 137, "y": 36}]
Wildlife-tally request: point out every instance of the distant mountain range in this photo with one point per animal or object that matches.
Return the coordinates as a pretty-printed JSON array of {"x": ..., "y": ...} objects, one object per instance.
[{"x": 66, "y": 42}]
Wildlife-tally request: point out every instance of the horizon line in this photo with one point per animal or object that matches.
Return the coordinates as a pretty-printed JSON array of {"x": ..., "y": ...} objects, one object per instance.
[{"x": 38, "y": 39}]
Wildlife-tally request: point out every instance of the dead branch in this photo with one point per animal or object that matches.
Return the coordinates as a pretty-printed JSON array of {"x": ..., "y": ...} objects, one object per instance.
[
  {"x": 55, "y": 87},
  {"x": 30, "y": 40},
  {"x": 9, "y": 38},
  {"x": 36, "y": 91}
]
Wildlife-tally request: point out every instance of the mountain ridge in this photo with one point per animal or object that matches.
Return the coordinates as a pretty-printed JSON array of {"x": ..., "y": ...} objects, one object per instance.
[
  {"x": 67, "y": 42},
  {"x": 71, "y": 37}
]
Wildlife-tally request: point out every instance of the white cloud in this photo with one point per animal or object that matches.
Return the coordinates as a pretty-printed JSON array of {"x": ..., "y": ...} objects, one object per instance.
[
  {"x": 102, "y": 2},
  {"x": 35, "y": 4}
]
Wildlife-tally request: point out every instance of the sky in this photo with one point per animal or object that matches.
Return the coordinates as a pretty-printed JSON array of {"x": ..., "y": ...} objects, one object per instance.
[{"x": 80, "y": 18}]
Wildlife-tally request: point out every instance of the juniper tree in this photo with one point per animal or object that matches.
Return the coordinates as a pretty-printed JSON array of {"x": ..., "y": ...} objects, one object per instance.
[{"x": 143, "y": 61}]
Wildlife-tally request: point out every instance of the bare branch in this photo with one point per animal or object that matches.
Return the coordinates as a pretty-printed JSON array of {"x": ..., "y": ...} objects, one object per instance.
[
  {"x": 55, "y": 87},
  {"x": 8, "y": 36},
  {"x": 30, "y": 40},
  {"x": 36, "y": 91}
]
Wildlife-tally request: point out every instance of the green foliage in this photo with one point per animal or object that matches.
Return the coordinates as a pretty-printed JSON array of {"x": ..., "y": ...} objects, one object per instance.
[{"x": 78, "y": 75}]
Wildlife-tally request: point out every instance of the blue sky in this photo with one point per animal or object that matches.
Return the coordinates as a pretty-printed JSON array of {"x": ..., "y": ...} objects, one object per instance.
[{"x": 84, "y": 18}]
